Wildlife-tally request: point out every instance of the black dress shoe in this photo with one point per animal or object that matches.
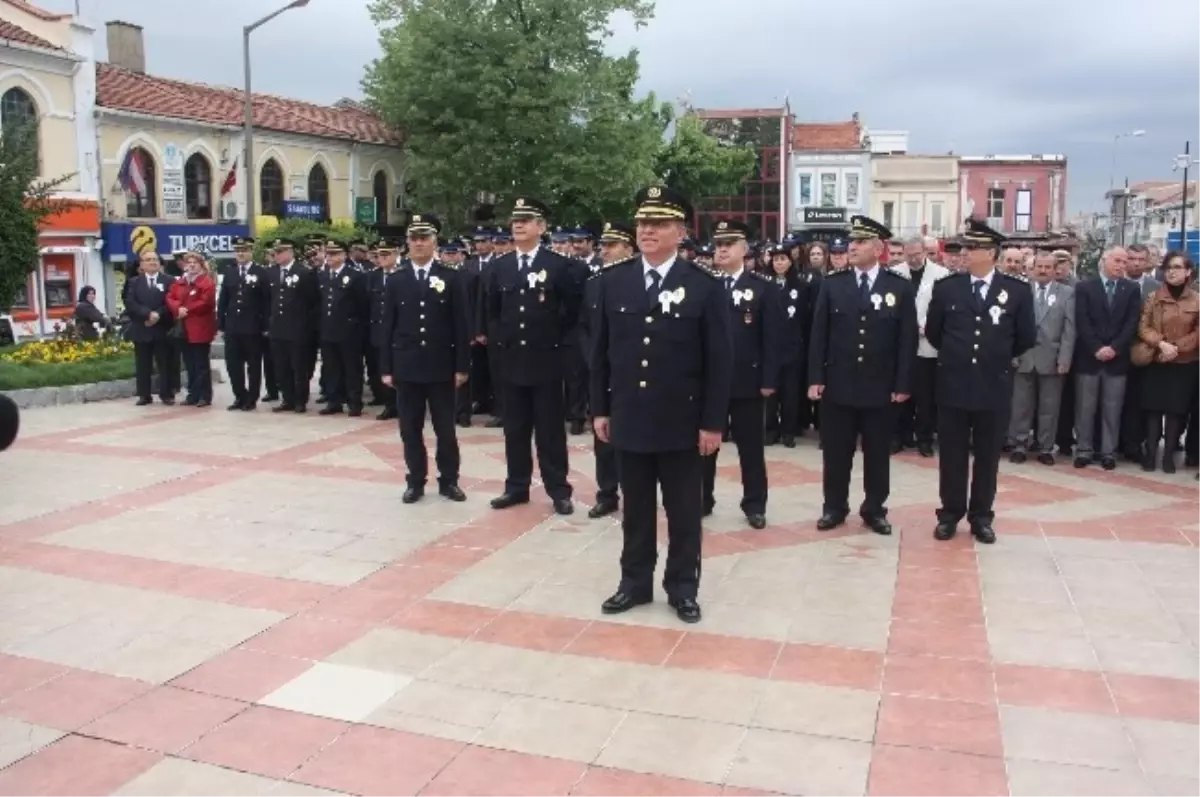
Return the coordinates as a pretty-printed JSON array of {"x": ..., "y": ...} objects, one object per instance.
[
  {"x": 1046, "y": 459},
  {"x": 509, "y": 499},
  {"x": 925, "y": 449},
  {"x": 771, "y": 438},
  {"x": 202, "y": 403},
  {"x": 142, "y": 402},
  {"x": 707, "y": 508},
  {"x": 321, "y": 399},
  {"x": 235, "y": 406},
  {"x": 376, "y": 402},
  {"x": 1108, "y": 463},
  {"x": 983, "y": 532},
  {"x": 622, "y": 602},
  {"x": 563, "y": 506},
  {"x": 355, "y": 412},
  {"x": 464, "y": 423},
  {"x": 494, "y": 423},
  {"x": 897, "y": 446},
  {"x": 388, "y": 414},
  {"x": 453, "y": 492},
  {"x": 284, "y": 408},
  {"x": 300, "y": 409},
  {"x": 576, "y": 427},
  {"x": 788, "y": 441},
  {"x": 879, "y": 525},
  {"x": 829, "y": 521},
  {"x": 190, "y": 402},
  {"x": 1017, "y": 457},
  {"x": 412, "y": 495},
  {"x": 330, "y": 409},
  {"x": 169, "y": 401},
  {"x": 686, "y": 609},
  {"x": 603, "y": 509},
  {"x": 756, "y": 520},
  {"x": 945, "y": 530},
  {"x": 1082, "y": 462},
  {"x": 271, "y": 397}
]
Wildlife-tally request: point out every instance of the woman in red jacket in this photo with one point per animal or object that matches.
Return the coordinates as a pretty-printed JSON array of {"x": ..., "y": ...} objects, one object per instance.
[{"x": 193, "y": 302}]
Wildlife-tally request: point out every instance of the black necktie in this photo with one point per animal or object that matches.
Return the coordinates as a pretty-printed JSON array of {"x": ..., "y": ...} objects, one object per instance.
[
  {"x": 652, "y": 289},
  {"x": 980, "y": 286},
  {"x": 243, "y": 272},
  {"x": 524, "y": 263},
  {"x": 729, "y": 284},
  {"x": 864, "y": 287}
]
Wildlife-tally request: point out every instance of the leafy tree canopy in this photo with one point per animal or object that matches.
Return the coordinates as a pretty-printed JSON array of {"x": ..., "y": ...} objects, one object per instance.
[{"x": 699, "y": 165}]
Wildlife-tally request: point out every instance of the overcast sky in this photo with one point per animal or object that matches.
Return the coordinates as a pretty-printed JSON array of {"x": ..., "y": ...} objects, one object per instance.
[{"x": 1047, "y": 76}]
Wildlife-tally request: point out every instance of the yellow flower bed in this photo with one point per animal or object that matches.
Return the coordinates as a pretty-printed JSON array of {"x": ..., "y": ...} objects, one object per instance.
[{"x": 67, "y": 351}]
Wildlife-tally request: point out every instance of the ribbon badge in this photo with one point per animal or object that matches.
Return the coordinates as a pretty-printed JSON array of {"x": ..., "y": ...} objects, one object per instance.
[
  {"x": 890, "y": 300},
  {"x": 437, "y": 284},
  {"x": 795, "y": 294},
  {"x": 1050, "y": 300},
  {"x": 995, "y": 311},
  {"x": 1002, "y": 297},
  {"x": 876, "y": 300},
  {"x": 791, "y": 310}
]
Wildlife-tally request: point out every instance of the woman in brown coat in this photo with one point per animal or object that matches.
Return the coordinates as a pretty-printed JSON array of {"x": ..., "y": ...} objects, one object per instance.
[{"x": 1168, "y": 386}]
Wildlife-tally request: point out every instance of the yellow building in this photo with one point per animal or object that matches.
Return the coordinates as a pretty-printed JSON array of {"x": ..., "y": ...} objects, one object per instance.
[{"x": 916, "y": 194}]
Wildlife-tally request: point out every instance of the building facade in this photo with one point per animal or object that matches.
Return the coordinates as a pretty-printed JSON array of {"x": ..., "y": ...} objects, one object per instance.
[
  {"x": 916, "y": 194},
  {"x": 47, "y": 78},
  {"x": 1018, "y": 195},
  {"x": 762, "y": 202},
  {"x": 1152, "y": 213},
  {"x": 830, "y": 177}
]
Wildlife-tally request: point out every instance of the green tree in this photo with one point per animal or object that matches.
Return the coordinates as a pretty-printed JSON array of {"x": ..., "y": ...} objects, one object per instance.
[
  {"x": 699, "y": 165},
  {"x": 24, "y": 201},
  {"x": 300, "y": 229},
  {"x": 500, "y": 97}
]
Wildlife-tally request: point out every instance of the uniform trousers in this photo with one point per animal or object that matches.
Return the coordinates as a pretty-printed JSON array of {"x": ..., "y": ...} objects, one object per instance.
[
  {"x": 679, "y": 474},
  {"x": 841, "y": 427},
  {"x": 462, "y": 403},
  {"x": 746, "y": 426},
  {"x": 292, "y": 358},
  {"x": 535, "y": 411},
  {"x": 343, "y": 372},
  {"x": 411, "y": 400},
  {"x": 576, "y": 379},
  {"x": 1036, "y": 402},
  {"x": 243, "y": 363},
  {"x": 783, "y": 406},
  {"x": 153, "y": 356},
  {"x": 382, "y": 393},
  {"x": 496, "y": 370},
  {"x": 961, "y": 434},
  {"x": 268, "y": 368},
  {"x": 608, "y": 472},
  {"x": 480, "y": 383},
  {"x": 924, "y": 404}
]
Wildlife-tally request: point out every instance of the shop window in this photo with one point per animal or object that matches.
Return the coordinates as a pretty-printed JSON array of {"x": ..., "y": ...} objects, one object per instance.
[
  {"x": 804, "y": 183},
  {"x": 1023, "y": 219},
  {"x": 18, "y": 110},
  {"x": 270, "y": 189},
  {"x": 829, "y": 189},
  {"x": 318, "y": 189},
  {"x": 197, "y": 180}
]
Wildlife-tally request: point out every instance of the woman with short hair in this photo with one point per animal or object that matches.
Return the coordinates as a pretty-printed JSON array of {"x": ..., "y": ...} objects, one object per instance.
[{"x": 193, "y": 301}]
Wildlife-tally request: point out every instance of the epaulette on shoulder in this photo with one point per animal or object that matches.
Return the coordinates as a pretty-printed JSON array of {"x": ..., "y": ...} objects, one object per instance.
[
  {"x": 761, "y": 276},
  {"x": 948, "y": 275},
  {"x": 1017, "y": 277},
  {"x": 451, "y": 266},
  {"x": 625, "y": 262},
  {"x": 711, "y": 272},
  {"x": 895, "y": 272},
  {"x": 838, "y": 272}
]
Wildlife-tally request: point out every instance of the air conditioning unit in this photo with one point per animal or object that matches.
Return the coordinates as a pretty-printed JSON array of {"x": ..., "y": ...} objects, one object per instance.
[{"x": 231, "y": 210}]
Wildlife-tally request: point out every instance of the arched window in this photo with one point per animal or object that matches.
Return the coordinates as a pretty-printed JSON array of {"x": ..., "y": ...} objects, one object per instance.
[
  {"x": 270, "y": 189},
  {"x": 17, "y": 110},
  {"x": 318, "y": 189},
  {"x": 197, "y": 181},
  {"x": 139, "y": 180},
  {"x": 379, "y": 188}
]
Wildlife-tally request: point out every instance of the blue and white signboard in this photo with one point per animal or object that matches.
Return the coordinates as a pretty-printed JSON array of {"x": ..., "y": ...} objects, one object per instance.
[
  {"x": 296, "y": 209},
  {"x": 1193, "y": 243},
  {"x": 124, "y": 241}
]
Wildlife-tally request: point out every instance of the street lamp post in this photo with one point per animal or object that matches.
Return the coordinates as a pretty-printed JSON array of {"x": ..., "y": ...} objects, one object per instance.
[
  {"x": 1112, "y": 172},
  {"x": 248, "y": 109}
]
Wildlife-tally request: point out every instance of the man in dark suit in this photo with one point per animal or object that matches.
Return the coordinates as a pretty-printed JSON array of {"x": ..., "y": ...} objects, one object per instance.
[
  {"x": 480, "y": 383},
  {"x": 1107, "y": 310},
  {"x": 662, "y": 367},
  {"x": 980, "y": 321},
  {"x": 757, "y": 323},
  {"x": 381, "y": 345},
  {"x": 533, "y": 297},
  {"x": 345, "y": 316},
  {"x": 150, "y": 321},
  {"x": 860, "y": 361},
  {"x": 502, "y": 244},
  {"x": 295, "y": 299},
  {"x": 575, "y": 366},
  {"x": 426, "y": 322},
  {"x": 243, "y": 305}
]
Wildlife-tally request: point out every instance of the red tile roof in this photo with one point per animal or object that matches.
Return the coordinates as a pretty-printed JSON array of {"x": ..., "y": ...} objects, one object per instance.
[
  {"x": 827, "y": 135},
  {"x": 32, "y": 10},
  {"x": 125, "y": 90},
  {"x": 15, "y": 33}
]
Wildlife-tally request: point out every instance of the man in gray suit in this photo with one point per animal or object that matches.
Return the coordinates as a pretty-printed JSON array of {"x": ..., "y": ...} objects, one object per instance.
[{"x": 1041, "y": 370}]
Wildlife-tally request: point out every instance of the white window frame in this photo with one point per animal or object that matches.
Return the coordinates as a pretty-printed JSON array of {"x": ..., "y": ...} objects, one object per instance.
[
  {"x": 1023, "y": 222},
  {"x": 937, "y": 217},
  {"x": 888, "y": 218},
  {"x": 845, "y": 188},
  {"x": 908, "y": 225},
  {"x": 812, "y": 187},
  {"x": 820, "y": 192}
]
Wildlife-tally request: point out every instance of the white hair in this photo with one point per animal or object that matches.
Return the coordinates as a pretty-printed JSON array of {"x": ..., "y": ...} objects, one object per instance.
[{"x": 915, "y": 239}]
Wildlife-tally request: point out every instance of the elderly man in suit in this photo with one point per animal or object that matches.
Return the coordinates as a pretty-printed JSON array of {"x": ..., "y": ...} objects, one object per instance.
[
  {"x": 1041, "y": 371},
  {"x": 1107, "y": 310}
]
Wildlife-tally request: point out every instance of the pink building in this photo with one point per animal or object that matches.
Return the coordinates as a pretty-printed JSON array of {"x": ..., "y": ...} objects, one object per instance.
[{"x": 1018, "y": 195}]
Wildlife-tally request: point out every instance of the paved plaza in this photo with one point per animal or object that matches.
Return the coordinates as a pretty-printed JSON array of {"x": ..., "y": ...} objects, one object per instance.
[{"x": 203, "y": 602}]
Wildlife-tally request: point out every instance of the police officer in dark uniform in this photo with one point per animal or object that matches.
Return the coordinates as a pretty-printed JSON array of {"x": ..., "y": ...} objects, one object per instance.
[
  {"x": 662, "y": 367},
  {"x": 345, "y": 316},
  {"x": 295, "y": 299},
  {"x": 617, "y": 243},
  {"x": 860, "y": 360},
  {"x": 381, "y": 345},
  {"x": 425, "y": 319},
  {"x": 756, "y": 318},
  {"x": 314, "y": 258},
  {"x": 533, "y": 298},
  {"x": 783, "y": 408},
  {"x": 243, "y": 306},
  {"x": 502, "y": 243},
  {"x": 980, "y": 321},
  {"x": 576, "y": 373},
  {"x": 473, "y": 269},
  {"x": 358, "y": 256}
]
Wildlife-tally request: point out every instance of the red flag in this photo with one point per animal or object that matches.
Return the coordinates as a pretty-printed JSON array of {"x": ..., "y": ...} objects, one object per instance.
[{"x": 230, "y": 179}]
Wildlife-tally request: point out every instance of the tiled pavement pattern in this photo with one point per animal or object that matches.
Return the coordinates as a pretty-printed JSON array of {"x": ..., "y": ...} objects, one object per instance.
[{"x": 202, "y": 602}]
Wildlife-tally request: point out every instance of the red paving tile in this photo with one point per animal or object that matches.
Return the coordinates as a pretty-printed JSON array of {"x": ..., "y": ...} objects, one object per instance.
[
  {"x": 947, "y": 679},
  {"x": 601, "y": 781},
  {"x": 281, "y": 594},
  {"x": 945, "y": 557},
  {"x": 1045, "y": 687},
  {"x": 955, "y": 610},
  {"x": 487, "y": 537},
  {"x": 939, "y": 725},
  {"x": 416, "y": 582},
  {"x": 532, "y": 631},
  {"x": 483, "y": 771},
  {"x": 377, "y": 761},
  {"x": 307, "y": 637},
  {"x": 1165, "y": 535},
  {"x": 626, "y": 643},
  {"x": 451, "y": 557},
  {"x": 1153, "y": 697},
  {"x": 937, "y": 583},
  {"x": 265, "y": 741},
  {"x": 716, "y": 653},
  {"x": 934, "y": 773},
  {"x": 72, "y": 700},
  {"x": 242, "y": 674},
  {"x": 165, "y": 719},
  {"x": 76, "y": 765},
  {"x": 830, "y": 666},
  {"x": 362, "y": 605},
  {"x": 18, "y": 674},
  {"x": 916, "y": 638},
  {"x": 444, "y": 618}
]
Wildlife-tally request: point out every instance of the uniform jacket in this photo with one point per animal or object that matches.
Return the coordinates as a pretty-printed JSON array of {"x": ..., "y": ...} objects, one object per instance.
[
  {"x": 1174, "y": 320},
  {"x": 345, "y": 305},
  {"x": 661, "y": 374},
  {"x": 295, "y": 296},
  {"x": 977, "y": 345},
  {"x": 587, "y": 312},
  {"x": 1055, "y": 322},
  {"x": 933, "y": 273},
  {"x": 862, "y": 352},
  {"x": 1098, "y": 325},
  {"x": 141, "y": 299},
  {"x": 200, "y": 299},
  {"x": 757, "y": 322},
  {"x": 427, "y": 325},
  {"x": 244, "y": 304},
  {"x": 377, "y": 281},
  {"x": 530, "y": 315},
  {"x": 796, "y": 305}
]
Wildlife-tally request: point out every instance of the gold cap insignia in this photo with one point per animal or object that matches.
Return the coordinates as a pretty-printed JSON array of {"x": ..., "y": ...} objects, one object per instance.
[
  {"x": 416, "y": 218},
  {"x": 520, "y": 203},
  {"x": 723, "y": 226},
  {"x": 654, "y": 193}
]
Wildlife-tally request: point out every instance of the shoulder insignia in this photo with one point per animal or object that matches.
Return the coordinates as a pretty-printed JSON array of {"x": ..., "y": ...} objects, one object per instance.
[
  {"x": 710, "y": 272},
  {"x": 838, "y": 272},
  {"x": 895, "y": 272},
  {"x": 947, "y": 276},
  {"x": 625, "y": 262},
  {"x": 761, "y": 276}
]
